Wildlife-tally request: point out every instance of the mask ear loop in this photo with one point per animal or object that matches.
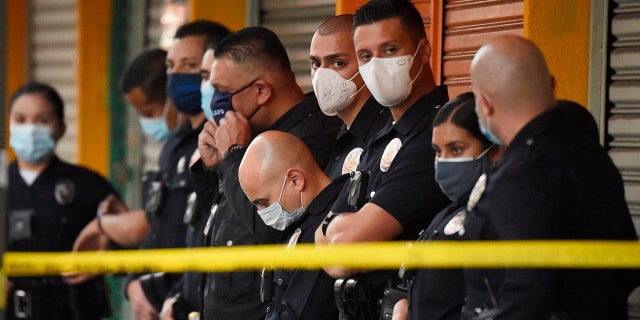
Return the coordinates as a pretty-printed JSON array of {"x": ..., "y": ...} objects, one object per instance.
[
  {"x": 421, "y": 65},
  {"x": 282, "y": 190},
  {"x": 361, "y": 87},
  {"x": 484, "y": 152}
]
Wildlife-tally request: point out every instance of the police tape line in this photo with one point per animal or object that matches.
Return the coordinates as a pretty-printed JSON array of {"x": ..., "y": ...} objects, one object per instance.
[{"x": 372, "y": 255}]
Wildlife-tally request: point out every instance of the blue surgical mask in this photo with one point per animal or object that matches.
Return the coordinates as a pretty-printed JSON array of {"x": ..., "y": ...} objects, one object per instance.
[
  {"x": 184, "y": 90},
  {"x": 156, "y": 128},
  {"x": 278, "y": 218},
  {"x": 486, "y": 131},
  {"x": 221, "y": 103},
  {"x": 32, "y": 143},
  {"x": 457, "y": 176},
  {"x": 206, "y": 93}
]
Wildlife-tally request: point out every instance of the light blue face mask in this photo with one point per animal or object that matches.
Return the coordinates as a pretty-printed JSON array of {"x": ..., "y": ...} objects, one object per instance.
[
  {"x": 206, "y": 94},
  {"x": 156, "y": 128},
  {"x": 278, "y": 218},
  {"x": 32, "y": 143},
  {"x": 486, "y": 131}
]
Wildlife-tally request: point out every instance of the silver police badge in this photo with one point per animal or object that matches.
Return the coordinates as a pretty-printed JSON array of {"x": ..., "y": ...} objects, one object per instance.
[
  {"x": 352, "y": 160},
  {"x": 476, "y": 192},
  {"x": 390, "y": 152},
  {"x": 64, "y": 192},
  {"x": 294, "y": 239},
  {"x": 456, "y": 224}
]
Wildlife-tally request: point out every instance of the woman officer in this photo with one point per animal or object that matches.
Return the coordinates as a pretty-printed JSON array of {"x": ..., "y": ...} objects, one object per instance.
[
  {"x": 463, "y": 154},
  {"x": 50, "y": 201}
]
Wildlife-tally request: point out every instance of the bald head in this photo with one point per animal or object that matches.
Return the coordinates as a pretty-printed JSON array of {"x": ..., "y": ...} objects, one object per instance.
[
  {"x": 511, "y": 71},
  {"x": 340, "y": 23},
  {"x": 269, "y": 158}
]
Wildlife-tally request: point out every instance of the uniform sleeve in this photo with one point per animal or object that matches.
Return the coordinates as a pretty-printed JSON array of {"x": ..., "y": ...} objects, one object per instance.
[
  {"x": 205, "y": 184},
  {"x": 527, "y": 206},
  {"x": 408, "y": 191}
]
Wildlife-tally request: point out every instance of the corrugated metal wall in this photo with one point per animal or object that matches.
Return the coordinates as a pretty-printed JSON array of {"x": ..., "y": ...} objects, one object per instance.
[
  {"x": 624, "y": 96},
  {"x": 468, "y": 25},
  {"x": 53, "y": 55},
  {"x": 294, "y": 21}
]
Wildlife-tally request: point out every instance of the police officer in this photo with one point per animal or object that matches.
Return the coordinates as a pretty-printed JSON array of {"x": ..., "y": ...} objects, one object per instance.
[
  {"x": 340, "y": 91},
  {"x": 184, "y": 298},
  {"x": 553, "y": 182},
  {"x": 144, "y": 85},
  {"x": 401, "y": 195},
  {"x": 463, "y": 154},
  {"x": 279, "y": 175},
  {"x": 50, "y": 201},
  {"x": 167, "y": 191},
  {"x": 255, "y": 90}
]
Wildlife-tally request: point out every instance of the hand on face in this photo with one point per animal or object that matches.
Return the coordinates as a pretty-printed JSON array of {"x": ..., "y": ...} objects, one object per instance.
[
  {"x": 207, "y": 146},
  {"x": 234, "y": 129}
]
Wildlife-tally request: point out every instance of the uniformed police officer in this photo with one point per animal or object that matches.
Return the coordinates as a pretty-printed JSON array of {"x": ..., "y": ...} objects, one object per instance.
[
  {"x": 401, "y": 195},
  {"x": 184, "y": 296},
  {"x": 340, "y": 91},
  {"x": 167, "y": 191},
  {"x": 463, "y": 155},
  {"x": 290, "y": 191},
  {"x": 50, "y": 201},
  {"x": 255, "y": 90},
  {"x": 553, "y": 182}
]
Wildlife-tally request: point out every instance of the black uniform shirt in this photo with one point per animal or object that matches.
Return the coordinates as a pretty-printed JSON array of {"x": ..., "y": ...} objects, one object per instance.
[
  {"x": 351, "y": 142},
  {"x": 307, "y": 294},
  {"x": 235, "y": 295},
  {"x": 166, "y": 218},
  {"x": 399, "y": 161},
  {"x": 438, "y": 294},
  {"x": 553, "y": 182},
  {"x": 47, "y": 216}
]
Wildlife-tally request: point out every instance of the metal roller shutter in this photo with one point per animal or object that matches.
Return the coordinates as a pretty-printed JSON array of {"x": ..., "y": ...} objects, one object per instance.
[
  {"x": 53, "y": 54},
  {"x": 624, "y": 96},
  {"x": 468, "y": 25},
  {"x": 294, "y": 21}
]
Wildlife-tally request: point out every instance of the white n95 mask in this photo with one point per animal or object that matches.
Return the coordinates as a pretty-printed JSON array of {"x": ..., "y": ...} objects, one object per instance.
[
  {"x": 334, "y": 92},
  {"x": 388, "y": 79}
]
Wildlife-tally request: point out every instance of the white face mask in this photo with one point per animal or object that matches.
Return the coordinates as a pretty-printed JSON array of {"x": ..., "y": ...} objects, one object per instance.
[
  {"x": 334, "y": 92},
  {"x": 276, "y": 217},
  {"x": 388, "y": 79}
]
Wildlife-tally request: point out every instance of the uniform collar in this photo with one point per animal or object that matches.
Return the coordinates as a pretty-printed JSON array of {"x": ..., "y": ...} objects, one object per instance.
[
  {"x": 420, "y": 108},
  {"x": 327, "y": 196},
  {"x": 295, "y": 115},
  {"x": 362, "y": 123},
  {"x": 552, "y": 119}
]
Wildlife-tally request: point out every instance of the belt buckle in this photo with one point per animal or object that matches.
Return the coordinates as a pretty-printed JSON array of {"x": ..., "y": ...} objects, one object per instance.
[{"x": 22, "y": 304}]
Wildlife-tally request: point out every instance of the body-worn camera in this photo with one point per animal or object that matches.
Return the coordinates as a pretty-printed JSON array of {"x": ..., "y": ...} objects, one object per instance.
[{"x": 358, "y": 189}]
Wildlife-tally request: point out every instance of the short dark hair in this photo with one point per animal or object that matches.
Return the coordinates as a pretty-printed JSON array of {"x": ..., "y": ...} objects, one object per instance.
[
  {"x": 254, "y": 44},
  {"x": 47, "y": 91},
  {"x": 376, "y": 10},
  {"x": 461, "y": 112},
  {"x": 212, "y": 31},
  {"x": 147, "y": 71}
]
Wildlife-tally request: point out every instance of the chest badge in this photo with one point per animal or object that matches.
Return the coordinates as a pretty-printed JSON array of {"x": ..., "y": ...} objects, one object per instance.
[
  {"x": 64, "y": 192},
  {"x": 182, "y": 163},
  {"x": 294, "y": 239},
  {"x": 390, "y": 152},
  {"x": 352, "y": 160},
  {"x": 476, "y": 192},
  {"x": 456, "y": 224}
]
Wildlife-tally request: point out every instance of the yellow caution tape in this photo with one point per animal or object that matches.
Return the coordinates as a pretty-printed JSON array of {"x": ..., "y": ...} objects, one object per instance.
[
  {"x": 3, "y": 292},
  {"x": 372, "y": 255}
]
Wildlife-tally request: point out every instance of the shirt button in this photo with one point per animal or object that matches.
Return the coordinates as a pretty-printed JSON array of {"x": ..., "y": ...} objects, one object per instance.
[
  {"x": 268, "y": 309},
  {"x": 229, "y": 243},
  {"x": 530, "y": 142},
  {"x": 183, "y": 183},
  {"x": 279, "y": 282},
  {"x": 373, "y": 193}
]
